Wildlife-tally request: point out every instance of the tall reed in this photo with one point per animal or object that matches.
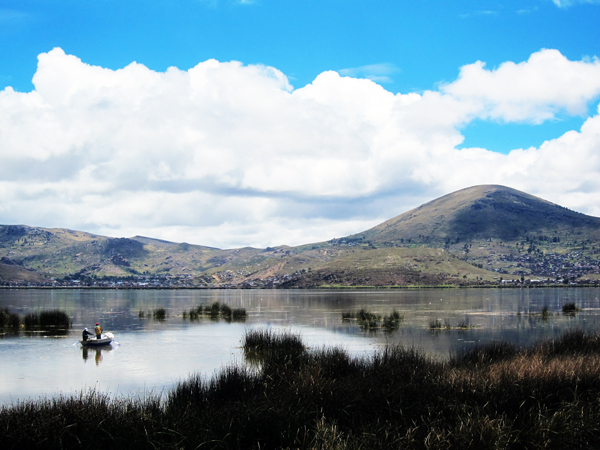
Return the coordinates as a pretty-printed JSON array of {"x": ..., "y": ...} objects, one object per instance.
[
  {"x": 216, "y": 311},
  {"x": 263, "y": 339},
  {"x": 8, "y": 319},
  {"x": 54, "y": 318},
  {"x": 570, "y": 308},
  {"x": 159, "y": 314},
  {"x": 495, "y": 396}
]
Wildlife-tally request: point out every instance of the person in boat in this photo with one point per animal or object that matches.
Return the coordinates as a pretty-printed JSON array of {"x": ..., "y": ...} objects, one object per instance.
[
  {"x": 85, "y": 334},
  {"x": 98, "y": 331}
]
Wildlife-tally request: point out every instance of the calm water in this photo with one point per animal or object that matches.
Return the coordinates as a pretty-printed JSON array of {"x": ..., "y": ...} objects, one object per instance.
[{"x": 151, "y": 356}]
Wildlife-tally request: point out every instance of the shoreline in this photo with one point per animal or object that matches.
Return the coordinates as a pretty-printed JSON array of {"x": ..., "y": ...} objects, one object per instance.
[{"x": 329, "y": 288}]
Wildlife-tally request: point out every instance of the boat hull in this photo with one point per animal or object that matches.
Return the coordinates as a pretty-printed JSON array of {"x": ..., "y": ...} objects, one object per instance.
[{"x": 96, "y": 342}]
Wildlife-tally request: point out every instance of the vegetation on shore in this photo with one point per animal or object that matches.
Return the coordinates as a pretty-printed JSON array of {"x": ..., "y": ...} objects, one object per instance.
[{"x": 489, "y": 397}]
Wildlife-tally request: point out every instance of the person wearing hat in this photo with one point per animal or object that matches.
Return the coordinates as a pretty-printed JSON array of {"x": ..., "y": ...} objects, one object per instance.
[
  {"x": 85, "y": 334},
  {"x": 98, "y": 331}
]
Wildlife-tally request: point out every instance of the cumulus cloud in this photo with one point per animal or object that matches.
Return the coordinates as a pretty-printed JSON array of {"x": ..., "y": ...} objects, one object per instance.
[
  {"x": 380, "y": 73},
  {"x": 531, "y": 91},
  {"x": 230, "y": 155}
]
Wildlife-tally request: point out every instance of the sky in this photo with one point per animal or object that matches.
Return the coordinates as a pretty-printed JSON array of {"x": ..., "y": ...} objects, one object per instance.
[{"x": 233, "y": 123}]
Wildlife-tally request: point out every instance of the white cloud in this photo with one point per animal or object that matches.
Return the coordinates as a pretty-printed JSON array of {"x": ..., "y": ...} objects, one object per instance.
[
  {"x": 531, "y": 91},
  {"x": 568, "y": 3},
  {"x": 231, "y": 155},
  {"x": 379, "y": 73}
]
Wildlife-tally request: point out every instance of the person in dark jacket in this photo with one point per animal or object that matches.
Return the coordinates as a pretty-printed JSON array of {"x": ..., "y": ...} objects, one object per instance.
[{"x": 85, "y": 334}]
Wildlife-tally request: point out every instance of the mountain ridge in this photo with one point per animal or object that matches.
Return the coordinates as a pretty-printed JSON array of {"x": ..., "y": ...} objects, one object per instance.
[
  {"x": 477, "y": 234},
  {"x": 473, "y": 207}
]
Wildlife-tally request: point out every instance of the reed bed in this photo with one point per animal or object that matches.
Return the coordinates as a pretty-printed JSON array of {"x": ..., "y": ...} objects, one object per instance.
[
  {"x": 44, "y": 320},
  {"x": 368, "y": 320},
  {"x": 238, "y": 314},
  {"x": 570, "y": 308},
  {"x": 216, "y": 310},
  {"x": 159, "y": 314},
  {"x": 435, "y": 324},
  {"x": 497, "y": 396},
  {"x": 267, "y": 339},
  {"x": 8, "y": 319}
]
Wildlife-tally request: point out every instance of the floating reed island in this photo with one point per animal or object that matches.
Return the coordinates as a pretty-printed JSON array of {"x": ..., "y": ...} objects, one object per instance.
[{"x": 496, "y": 396}]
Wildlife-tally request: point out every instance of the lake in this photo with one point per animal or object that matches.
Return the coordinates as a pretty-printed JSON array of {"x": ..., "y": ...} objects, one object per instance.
[{"x": 150, "y": 356}]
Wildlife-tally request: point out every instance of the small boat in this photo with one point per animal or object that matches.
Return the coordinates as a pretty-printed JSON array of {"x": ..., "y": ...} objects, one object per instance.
[{"x": 93, "y": 342}]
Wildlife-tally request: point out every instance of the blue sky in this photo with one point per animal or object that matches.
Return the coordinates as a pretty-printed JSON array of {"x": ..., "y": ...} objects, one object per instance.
[
  {"x": 409, "y": 46},
  {"x": 404, "y": 47}
]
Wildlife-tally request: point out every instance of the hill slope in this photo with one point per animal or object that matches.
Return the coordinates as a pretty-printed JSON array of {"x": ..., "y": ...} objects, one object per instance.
[
  {"x": 481, "y": 212},
  {"x": 475, "y": 235}
]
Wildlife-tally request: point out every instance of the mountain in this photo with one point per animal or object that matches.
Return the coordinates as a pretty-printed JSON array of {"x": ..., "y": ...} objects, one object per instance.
[
  {"x": 61, "y": 252},
  {"x": 481, "y": 212},
  {"x": 476, "y": 235}
]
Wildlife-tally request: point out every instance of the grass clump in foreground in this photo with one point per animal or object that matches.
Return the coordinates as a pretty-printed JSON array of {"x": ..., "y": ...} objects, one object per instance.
[
  {"x": 490, "y": 397},
  {"x": 260, "y": 340}
]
